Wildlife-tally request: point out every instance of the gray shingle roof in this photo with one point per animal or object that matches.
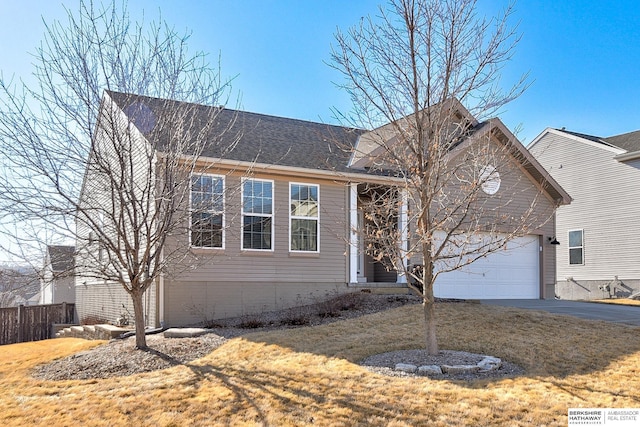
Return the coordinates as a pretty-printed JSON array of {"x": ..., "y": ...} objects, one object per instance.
[
  {"x": 627, "y": 141},
  {"x": 61, "y": 258},
  {"x": 254, "y": 137},
  {"x": 592, "y": 138}
]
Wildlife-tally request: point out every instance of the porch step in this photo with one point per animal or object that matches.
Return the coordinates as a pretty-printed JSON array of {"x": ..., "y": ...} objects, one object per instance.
[
  {"x": 91, "y": 332},
  {"x": 77, "y": 331}
]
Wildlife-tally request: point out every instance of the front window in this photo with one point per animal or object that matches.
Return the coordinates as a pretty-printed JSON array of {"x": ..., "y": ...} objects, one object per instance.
[
  {"x": 207, "y": 208},
  {"x": 576, "y": 247},
  {"x": 257, "y": 214},
  {"x": 303, "y": 217}
]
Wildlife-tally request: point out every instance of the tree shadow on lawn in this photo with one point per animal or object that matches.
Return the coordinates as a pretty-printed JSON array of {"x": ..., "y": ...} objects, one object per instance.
[
  {"x": 543, "y": 344},
  {"x": 264, "y": 394},
  {"x": 309, "y": 375}
]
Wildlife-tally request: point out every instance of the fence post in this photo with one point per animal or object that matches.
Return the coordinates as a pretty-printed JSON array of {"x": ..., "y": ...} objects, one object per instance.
[
  {"x": 20, "y": 323},
  {"x": 64, "y": 316}
]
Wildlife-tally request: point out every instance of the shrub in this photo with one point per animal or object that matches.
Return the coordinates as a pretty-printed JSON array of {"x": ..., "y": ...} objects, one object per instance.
[
  {"x": 251, "y": 322},
  {"x": 333, "y": 306},
  {"x": 297, "y": 316}
]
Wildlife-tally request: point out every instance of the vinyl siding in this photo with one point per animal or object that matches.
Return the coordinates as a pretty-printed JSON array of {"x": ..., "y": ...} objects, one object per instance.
[
  {"x": 505, "y": 209},
  {"x": 605, "y": 205},
  {"x": 64, "y": 290},
  {"x": 104, "y": 302},
  {"x": 231, "y": 282},
  {"x": 97, "y": 298}
]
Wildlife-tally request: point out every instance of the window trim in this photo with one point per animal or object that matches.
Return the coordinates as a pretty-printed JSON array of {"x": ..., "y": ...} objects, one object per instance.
[
  {"x": 316, "y": 218},
  {"x": 222, "y": 212},
  {"x": 243, "y": 214},
  {"x": 581, "y": 230}
]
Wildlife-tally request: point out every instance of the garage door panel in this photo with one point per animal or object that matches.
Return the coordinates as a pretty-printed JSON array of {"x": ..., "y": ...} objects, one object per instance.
[{"x": 508, "y": 274}]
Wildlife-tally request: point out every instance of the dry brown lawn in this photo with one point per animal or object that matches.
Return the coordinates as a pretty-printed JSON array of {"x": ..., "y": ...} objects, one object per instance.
[{"x": 310, "y": 376}]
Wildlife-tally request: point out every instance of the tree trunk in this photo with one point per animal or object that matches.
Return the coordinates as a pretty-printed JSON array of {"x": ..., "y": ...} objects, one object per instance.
[
  {"x": 428, "y": 299},
  {"x": 429, "y": 308},
  {"x": 138, "y": 314}
]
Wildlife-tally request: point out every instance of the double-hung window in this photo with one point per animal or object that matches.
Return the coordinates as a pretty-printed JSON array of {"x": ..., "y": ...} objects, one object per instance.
[
  {"x": 207, "y": 211},
  {"x": 576, "y": 247},
  {"x": 257, "y": 214},
  {"x": 304, "y": 217}
]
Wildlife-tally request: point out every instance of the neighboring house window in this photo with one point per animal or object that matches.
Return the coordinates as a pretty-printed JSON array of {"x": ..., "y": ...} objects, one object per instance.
[
  {"x": 303, "y": 217},
  {"x": 207, "y": 207},
  {"x": 576, "y": 247},
  {"x": 257, "y": 214}
]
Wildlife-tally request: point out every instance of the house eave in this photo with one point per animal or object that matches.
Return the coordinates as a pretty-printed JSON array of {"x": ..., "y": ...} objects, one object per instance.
[
  {"x": 625, "y": 157},
  {"x": 340, "y": 176}
]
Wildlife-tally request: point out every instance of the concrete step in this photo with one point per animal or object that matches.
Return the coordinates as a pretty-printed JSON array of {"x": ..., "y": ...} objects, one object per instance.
[
  {"x": 77, "y": 331},
  {"x": 107, "y": 332},
  {"x": 58, "y": 329},
  {"x": 91, "y": 332}
]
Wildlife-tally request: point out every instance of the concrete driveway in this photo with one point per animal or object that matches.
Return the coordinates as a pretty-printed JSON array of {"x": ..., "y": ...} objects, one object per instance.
[{"x": 629, "y": 315}]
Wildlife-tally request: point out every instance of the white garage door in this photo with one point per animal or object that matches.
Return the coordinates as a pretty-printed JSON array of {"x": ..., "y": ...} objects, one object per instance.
[{"x": 510, "y": 273}]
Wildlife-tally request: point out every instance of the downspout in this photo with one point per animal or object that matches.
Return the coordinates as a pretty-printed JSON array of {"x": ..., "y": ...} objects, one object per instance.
[
  {"x": 401, "y": 277},
  {"x": 160, "y": 294},
  {"x": 353, "y": 233}
]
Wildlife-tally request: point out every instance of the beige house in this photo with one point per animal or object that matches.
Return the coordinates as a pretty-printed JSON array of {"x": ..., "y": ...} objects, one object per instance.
[{"x": 274, "y": 224}]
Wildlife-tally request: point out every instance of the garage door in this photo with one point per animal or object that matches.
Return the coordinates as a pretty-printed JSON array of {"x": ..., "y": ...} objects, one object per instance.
[{"x": 510, "y": 273}]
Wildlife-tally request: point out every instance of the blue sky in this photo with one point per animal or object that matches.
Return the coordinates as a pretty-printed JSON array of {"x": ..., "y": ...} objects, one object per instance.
[{"x": 583, "y": 57}]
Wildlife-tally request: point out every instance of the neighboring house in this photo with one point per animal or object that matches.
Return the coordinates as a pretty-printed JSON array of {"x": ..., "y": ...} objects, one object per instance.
[
  {"x": 57, "y": 284},
  {"x": 19, "y": 285},
  {"x": 278, "y": 233},
  {"x": 599, "y": 252}
]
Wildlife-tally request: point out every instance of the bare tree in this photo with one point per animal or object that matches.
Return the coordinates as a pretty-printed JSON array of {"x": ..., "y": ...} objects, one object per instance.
[
  {"x": 16, "y": 284},
  {"x": 86, "y": 163},
  {"x": 409, "y": 72}
]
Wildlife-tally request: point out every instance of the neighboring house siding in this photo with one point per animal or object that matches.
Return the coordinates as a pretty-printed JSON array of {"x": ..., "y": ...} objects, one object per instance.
[
  {"x": 605, "y": 205},
  {"x": 46, "y": 291},
  {"x": 58, "y": 282},
  {"x": 234, "y": 282},
  {"x": 64, "y": 290}
]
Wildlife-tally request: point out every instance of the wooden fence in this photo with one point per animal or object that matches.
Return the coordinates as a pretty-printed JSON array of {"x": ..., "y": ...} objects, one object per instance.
[{"x": 33, "y": 322}]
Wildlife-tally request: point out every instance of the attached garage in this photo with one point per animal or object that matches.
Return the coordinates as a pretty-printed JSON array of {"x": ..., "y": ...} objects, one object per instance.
[{"x": 510, "y": 273}]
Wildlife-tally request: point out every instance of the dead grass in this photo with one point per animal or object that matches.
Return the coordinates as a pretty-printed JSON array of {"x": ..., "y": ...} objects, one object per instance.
[
  {"x": 619, "y": 301},
  {"x": 309, "y": 376}
]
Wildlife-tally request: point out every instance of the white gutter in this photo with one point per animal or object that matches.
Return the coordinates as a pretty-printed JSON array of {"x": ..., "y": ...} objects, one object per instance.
[
  {"x": 297, "y": 171},
  {"x": 625, "y": 157}
]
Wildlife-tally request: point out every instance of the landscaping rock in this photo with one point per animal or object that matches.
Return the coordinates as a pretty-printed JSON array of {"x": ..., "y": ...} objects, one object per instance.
[
  {"x": 429, "y": 370},
  {"x": 184, "y": 332},
  {"x": 405, "y": 367},
  {"x": 459, "y": 369},
  {"x": 489, "y": 363}
]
